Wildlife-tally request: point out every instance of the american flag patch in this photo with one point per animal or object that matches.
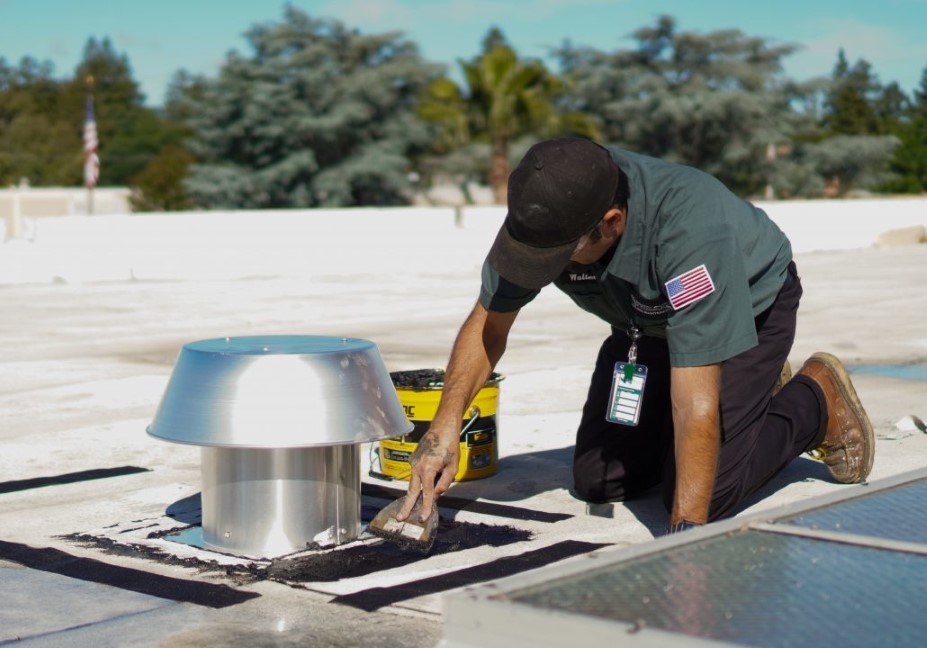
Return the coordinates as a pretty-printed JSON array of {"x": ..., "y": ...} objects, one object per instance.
[{"x": 689, "y": 287}]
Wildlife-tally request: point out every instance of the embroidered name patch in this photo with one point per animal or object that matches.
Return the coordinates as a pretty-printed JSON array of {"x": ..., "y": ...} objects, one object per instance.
[
  {"x": 580, "y": 277},
  {"x": 689, "y": 287}
]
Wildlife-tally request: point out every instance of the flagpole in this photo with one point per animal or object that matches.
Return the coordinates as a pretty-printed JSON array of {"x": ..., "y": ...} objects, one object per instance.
[{"x": 90, "y": 147}]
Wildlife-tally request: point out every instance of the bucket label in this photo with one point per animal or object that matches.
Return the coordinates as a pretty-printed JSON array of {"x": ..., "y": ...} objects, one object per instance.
[
  {"x": 420, "y": 394},
  {"x": 396, "y": 455}
]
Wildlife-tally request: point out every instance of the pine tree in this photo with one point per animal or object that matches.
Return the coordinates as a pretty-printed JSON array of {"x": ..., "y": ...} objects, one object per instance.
[
  {"x": 850, "y": 105},
  {"x": 39, "y": 141},
  {"x": 317, "y": 115},
  {"x": 131, "y": 135},
  {"x": 910, "y": 161},
  {"x": 892, "y": 109},
  {"x": 716, "y": 101}
]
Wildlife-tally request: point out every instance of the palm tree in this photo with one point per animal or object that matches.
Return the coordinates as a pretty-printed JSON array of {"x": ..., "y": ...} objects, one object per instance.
[{"x": 506, "y": 98}]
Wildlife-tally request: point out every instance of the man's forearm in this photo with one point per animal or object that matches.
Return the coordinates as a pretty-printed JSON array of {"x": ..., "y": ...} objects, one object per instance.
[
  {"x": 478, "y": 347},
  {"x": 696, "y": 421}
]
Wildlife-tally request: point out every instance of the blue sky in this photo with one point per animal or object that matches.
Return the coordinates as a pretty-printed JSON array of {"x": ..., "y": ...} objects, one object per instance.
[{"x": 164, "y": 36}]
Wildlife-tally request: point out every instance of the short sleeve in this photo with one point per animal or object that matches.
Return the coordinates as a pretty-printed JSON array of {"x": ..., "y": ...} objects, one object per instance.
[
  {"x": 502, "y": 296},
  {"x": 707, "y": 286}
]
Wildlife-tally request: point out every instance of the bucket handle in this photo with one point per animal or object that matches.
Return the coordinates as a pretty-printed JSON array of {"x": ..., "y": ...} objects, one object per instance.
[{"x": 474, "y": 417}]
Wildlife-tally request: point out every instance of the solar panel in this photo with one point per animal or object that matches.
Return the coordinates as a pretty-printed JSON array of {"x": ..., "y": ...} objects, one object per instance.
[{"x": 847, "y": 570}]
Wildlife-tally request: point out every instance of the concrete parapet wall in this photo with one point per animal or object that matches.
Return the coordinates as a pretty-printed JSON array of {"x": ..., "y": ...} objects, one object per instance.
[
  {"x": 39, "y": 202},
  {"x": 319, "y": 243},
  {"x": 844, "y": 224}
]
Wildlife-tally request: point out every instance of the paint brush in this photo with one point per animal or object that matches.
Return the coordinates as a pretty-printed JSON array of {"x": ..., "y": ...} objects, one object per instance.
[{"x": 409, "y": 533}]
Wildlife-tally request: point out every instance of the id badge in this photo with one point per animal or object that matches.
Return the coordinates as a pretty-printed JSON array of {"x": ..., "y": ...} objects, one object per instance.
[{"x": 627, "y": 396}]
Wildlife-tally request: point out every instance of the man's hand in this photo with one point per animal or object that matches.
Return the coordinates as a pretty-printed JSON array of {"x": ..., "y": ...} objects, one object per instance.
[
  {"x": 434, "y": 465},
  {"x": 479, "y": 345}
]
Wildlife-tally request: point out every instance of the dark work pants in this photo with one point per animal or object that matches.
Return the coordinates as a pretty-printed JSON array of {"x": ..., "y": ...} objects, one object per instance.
[{"x": 760, "y": 434}]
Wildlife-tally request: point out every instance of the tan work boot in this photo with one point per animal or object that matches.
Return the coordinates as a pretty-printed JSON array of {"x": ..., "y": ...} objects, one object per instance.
[
  {"x": 849, "y": 444},
  {"x": 784, "y": 376}
]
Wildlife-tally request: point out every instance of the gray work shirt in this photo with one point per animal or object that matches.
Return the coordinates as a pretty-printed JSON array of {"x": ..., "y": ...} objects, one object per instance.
[{"x": 695, "y": 265}]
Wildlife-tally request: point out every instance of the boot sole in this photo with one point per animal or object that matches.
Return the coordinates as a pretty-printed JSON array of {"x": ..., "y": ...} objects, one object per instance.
[{"x": 849, "y": 393}]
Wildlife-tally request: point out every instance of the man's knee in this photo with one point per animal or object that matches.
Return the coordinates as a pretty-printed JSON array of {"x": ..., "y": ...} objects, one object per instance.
[{"x": 595, "y": 488}]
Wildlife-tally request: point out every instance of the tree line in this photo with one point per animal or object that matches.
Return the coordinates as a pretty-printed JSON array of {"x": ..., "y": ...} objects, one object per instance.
[{"x": 319, "y": 114}]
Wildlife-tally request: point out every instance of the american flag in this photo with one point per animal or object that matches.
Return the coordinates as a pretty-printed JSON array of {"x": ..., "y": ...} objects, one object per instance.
[
  {"x": 689, "y": 287},
  {"x": 91, "y": 161}
]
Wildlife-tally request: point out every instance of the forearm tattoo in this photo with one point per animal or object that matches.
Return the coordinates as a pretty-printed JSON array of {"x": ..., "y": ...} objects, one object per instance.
[{"x": 429, "y": 446}]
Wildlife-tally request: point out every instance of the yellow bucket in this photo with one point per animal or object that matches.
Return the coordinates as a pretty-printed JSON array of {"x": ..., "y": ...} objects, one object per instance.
[{"x": 419, "y": 393}]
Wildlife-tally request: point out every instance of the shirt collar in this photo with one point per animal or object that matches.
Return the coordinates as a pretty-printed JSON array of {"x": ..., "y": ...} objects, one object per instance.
[{"x": 626, "y": 263}]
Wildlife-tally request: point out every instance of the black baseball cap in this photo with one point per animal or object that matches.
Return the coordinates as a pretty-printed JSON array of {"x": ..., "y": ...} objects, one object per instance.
[{"x": 558, "y": 192}]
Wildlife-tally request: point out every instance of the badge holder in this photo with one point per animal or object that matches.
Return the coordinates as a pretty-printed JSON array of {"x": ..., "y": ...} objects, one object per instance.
[{"x": 627, "y": 392}]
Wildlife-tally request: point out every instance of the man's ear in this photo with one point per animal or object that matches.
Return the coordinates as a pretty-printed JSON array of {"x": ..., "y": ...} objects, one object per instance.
[{"x": 615, "y": 221}]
